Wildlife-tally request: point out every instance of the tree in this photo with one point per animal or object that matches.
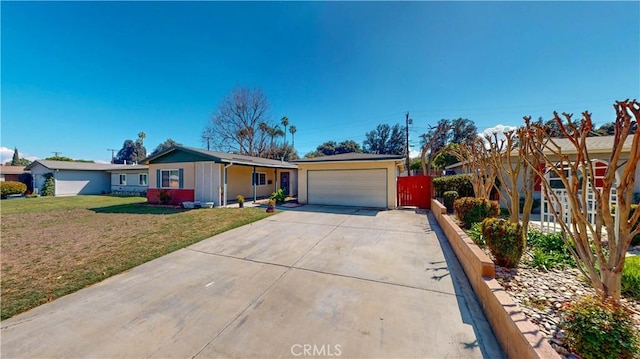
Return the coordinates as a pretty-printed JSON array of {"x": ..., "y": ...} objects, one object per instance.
[
  {"x": 444, "y": 158},
  {"x": 516, "y": 143},
  {"x": 285, "y": 152},
  {"x": 17, "y": 161},
  {"x": 476, "y": 159},
  {"x": 67, "y": 159},
  {"x": 164, "y": 145},
  {"x": 59, "y": 158},
  {"x": 293, "y": 131},
  {"x": 601, "y": 264},
  {"x": 386, "y": 140},
  {"x": 462, "y": 130},
  {"x": 285, "y": 122},
  {"x": 430, "y": 141},
  {"x": 132, "y": 152},
  {"x": 236, "y": 124},
  {"x": 331, "y": 148}
]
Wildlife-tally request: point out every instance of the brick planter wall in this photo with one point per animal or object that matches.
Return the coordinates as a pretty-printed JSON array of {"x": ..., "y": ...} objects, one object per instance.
[
  {"x": 177, "y": 195},
  {"x": 518, "y": 336}
]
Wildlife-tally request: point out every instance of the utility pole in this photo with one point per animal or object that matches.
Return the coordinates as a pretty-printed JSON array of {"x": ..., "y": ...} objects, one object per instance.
[
  {"x": 208, "y": 138},
  {"x": 55, "y": 154},
  {"x": 112, "y": 154},
  {"x": 408, "y": 122}
]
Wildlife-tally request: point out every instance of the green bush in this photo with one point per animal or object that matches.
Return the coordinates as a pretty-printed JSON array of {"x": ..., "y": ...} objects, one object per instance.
[
  {"x": 164, "y": 197},
  {"x": 505, "y": 241},
  {"x": 279, "y": 196},
  {"x": 49, "y": 186},
  {"x": 449, "y": 198},
  {"x": 631, "y": 277},
  {"x": 12, "y": 187},
  {"x": 549, "y": 250},
  {"x": 475, "y": 233},
  {"x": 471, "y": 210},
  {"x": 460, "y": 183},
  {"x": 600, "y": 329}
]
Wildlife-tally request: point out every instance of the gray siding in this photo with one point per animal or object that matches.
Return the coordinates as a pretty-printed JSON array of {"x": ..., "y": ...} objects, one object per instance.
[
  {"x": 71, "y": 183},
  {"x": 133, "y": 182}
]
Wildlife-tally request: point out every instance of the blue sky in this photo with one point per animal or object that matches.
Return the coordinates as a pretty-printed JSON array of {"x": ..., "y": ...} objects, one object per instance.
[{"x": 82, "y": 77}]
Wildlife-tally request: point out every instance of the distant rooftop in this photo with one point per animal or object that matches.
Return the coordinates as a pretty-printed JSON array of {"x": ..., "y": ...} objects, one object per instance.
[{"x": 82, "y": 166}]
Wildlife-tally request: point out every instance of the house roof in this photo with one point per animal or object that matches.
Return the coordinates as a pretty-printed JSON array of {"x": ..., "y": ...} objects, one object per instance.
[
  {"x": 221, "y": 157},
  {"x": 12, "y": 170},
  {"x": 81, "y": 166},
  {"x": 599, "y": 144},
  {"x": 350, "y": 157}
]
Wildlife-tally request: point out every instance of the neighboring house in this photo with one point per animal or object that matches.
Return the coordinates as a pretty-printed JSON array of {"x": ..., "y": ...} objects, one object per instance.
[
  {"x": 11, "y": 173},
  {"x": 74, "y": 178},
  {"x": 129, "y": 179},
  {"x": 350, "y": 179},
  {"x": 599, "y": 151},
  {"x": 191, "y": 174}
]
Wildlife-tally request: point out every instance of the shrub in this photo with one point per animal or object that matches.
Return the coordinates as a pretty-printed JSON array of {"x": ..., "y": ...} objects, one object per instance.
[
  {"x": 549, "y": 250},
  {"x": 164, "y": 197},
  {"x": 240, "y": 198},
  {"x": 449, "y": 198},
  {"x": 600, "y": 329},
  {"x": 631, "y": 277},
  {"x": 504, "y": 239},
  {"x": 471, "y": 210},
  {"x": 12, "y": 187},
  {"x": 460, "y": 183},
  {"x": 279, "y": 195},
  {"x": 49, "y": 186},
  {"x": 475, "y": 233}
]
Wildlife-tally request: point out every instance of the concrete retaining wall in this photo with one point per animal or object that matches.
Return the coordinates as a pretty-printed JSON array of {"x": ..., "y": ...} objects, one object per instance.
[{"x": 518, "y": 336}]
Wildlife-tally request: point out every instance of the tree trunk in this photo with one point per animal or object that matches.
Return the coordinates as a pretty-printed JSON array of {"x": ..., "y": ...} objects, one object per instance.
[{"x": 611, "y": 281}]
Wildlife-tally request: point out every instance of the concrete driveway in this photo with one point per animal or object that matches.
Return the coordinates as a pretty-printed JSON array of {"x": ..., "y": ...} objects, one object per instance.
[{"x": 313, "y": 281}]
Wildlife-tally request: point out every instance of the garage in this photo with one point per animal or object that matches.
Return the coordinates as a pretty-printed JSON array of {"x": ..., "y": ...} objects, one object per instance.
[
  {"x": 358, "y": 187},
  {"x": 349, "y": 179}
]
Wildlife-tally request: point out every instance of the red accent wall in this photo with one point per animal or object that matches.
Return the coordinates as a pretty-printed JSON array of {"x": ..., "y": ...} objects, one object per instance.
[{"x": 177, "y": 195}]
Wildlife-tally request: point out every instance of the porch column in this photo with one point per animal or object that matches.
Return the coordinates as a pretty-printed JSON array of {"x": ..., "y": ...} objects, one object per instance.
[{"x": 254, "y": 185}]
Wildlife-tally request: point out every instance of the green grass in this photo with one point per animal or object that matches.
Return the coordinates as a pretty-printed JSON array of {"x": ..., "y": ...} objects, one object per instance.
[
  {"x": 55, "y": 246},
  {"x": 43, "y": 204}
]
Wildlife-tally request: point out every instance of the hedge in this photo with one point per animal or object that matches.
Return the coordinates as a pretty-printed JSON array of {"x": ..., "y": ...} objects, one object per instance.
[{"x": 460, "y": 183}]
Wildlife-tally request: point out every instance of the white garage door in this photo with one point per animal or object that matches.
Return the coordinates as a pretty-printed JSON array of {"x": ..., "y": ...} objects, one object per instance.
[{"x": 361, "y": 188}]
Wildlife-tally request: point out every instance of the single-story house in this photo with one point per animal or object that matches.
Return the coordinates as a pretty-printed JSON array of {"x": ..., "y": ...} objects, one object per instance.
[
  {"x": 192, "y": 174},
  {"x": 74, "y": 178},
  {"x": 11, "y": 173},
  {"x": 350, "y": 179},
  {"x": 599, "y": 150}
]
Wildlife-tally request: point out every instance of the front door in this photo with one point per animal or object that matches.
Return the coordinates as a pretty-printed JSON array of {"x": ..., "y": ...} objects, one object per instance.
[{"x": 284, "y": 182}]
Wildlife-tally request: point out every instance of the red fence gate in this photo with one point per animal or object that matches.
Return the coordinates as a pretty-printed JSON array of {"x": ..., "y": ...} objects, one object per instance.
[{"x": 414, "y": 191}]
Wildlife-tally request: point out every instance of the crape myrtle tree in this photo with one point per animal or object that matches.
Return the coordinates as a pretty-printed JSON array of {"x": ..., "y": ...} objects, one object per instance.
[
  {"x": 507, "y": 156},
  {"x": 477, "y": 160},
  {"x": 601, "y": 264}
]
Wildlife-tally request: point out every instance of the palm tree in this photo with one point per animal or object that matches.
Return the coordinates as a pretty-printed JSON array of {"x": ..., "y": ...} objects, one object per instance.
[
  {"x": 285, "y": 123},
  {"x": 293, "y": 130}
]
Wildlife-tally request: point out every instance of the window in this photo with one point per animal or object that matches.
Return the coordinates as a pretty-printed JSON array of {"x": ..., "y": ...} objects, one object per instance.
[
  {"x": 260, "y": 179},
  {"x": 123, "y": 179},
  {"x": 142, "y": 180},
  {"x": 170, "y": 178}
]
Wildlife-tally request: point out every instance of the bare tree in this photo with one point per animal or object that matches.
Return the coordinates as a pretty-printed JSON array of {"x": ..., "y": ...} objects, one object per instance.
[
  {"x": 476, "y": 159},
  {"x": 430, "y": 141},
  {"x": 574, "y": 167},
  {"x": 235, "y": 126},
  {"x": 512, "y": 159}
]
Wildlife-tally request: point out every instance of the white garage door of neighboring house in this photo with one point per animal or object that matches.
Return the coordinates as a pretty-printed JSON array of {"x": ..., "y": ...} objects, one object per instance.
[{"x": 361, "y": 188}]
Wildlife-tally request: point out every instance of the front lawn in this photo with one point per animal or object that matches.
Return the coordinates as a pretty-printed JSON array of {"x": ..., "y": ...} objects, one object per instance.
[{"x": 54, "y": 246}]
